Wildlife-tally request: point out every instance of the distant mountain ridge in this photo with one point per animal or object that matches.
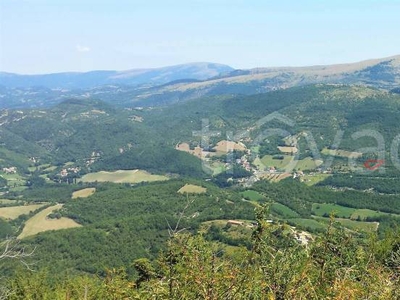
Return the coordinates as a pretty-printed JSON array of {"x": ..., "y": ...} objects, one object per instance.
[
  {"x": 163, "y": 86},
  {"x": 76, "y": 80}
]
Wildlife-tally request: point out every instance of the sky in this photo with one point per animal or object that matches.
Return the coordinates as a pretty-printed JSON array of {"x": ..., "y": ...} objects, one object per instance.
[{"x": 48, "y": 36}]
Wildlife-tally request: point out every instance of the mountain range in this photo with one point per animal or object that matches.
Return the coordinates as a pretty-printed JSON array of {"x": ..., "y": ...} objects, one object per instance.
[
  {"x": 156, "y": 76},
  {"x": 154, "y": 87}
]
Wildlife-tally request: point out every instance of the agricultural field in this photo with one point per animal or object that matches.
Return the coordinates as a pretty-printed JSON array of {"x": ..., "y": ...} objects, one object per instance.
[
  {"x": 359, "y": 225},
  {"x": 275, "y": 177},
  {"x": 269, "y": 161},
  {"x": 252, "y": 195},
  {"x": 13, "y": 212},
  {"x": 283, "y": 211},
  {"x": 226, "y": 146},
  {"x": 217, "y": 167},
  {"x": 310, "y": 224},
  {"x": 308, "y": 164},
  {"x": 288, "y": 149},
  {"x": 341, "y": 153},
  {"x": 314, "y": 179},
  {"x": 13, "y": 179},
  {"x": 305, "y": 164},
  {"x": 339, "y": 211},
  {"x": 83, "y": 193},
  {"x": 8, "y": 202},
  {"x": 368, "y": 213},
  {"x": 40, "y": 222},
  {"x": 123, "y": 176},
  {"x": 192, "y": 189},
  {"x": 345, "y": 212},
  {"x": 354, "y": 225}
]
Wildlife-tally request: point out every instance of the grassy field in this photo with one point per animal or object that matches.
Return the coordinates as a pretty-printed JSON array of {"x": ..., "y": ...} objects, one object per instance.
[
  {"x": 122, "y": 176},
  {"x": 308, "y": 164},
  {"x": 14, "y": 212},
  {"x": 353, "y": 225},
  {"x": 341, "y": 153},
  {"x": 287, "y": 149},
  {"x": 192, "y": 189},
  {"x": 50, "y": 169},
  {"x": 365, "y": 213},
  {"x": 345, "y": 212},
  {"x": 40, "y": 222},
  {"x": 283, "y": 211},
  {"x": 339, "y": 211},
  {"x": 83, "y": 193},
  {"x": 252, "y": 195},
  {"x": 314, "y": 179},
  {"x": 308, "y": 223},
  {"x": 268, "y": 161},
  {"x": 359, "y": 225},
  {"x": 276, "y": 176},
  {"x": 7, "y": 201},
  {"x": 305, "y": 164},
  {"x": 13, "y": 179},
  {"x": 226, "y": 146},
  {"x": 217, "y": 167}
]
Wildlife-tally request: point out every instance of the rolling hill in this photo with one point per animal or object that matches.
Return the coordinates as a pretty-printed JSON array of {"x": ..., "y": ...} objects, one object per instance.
[
  {"x": 195, "y": 71},
  {"x": 160, "y": 87}
]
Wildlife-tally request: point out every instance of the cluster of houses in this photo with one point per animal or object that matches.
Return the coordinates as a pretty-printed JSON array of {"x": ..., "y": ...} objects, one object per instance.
[
  {"x": 65, "y": 172},
  {"x": 95, "y": 156},
  {"x": 244, "y": 162},
  {"x": 10, "y": 170}
]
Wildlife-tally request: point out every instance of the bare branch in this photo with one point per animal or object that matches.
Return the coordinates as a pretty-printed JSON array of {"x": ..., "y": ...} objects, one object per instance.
[{"x": 11, "y": 249}]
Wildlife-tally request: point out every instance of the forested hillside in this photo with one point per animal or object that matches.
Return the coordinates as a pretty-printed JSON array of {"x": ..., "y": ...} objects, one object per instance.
[{"x": 129, "y": 201}]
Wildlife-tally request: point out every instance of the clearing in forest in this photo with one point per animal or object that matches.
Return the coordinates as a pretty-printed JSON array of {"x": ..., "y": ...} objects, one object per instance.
[
  {"x": 13, "y": 212},
  {"x": 123, "y": 176},
  {"x": 83, "y": 193},
  {"x": 40, "y": 222},
  {"x": 192, "y": 189}
]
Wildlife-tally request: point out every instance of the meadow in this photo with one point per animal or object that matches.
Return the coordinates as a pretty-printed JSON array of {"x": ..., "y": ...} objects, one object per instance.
[
  {"x": 192, "y": 189},
  {"x": 40, "y": 222},
  {"x": 123, "y": 176},
  {"x": 13, "y": 212},
  {"x": 83, "y": 193}
]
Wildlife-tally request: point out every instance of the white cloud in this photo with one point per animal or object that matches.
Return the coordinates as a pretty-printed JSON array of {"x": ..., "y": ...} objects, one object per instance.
[{"x": 81, "y": 48}]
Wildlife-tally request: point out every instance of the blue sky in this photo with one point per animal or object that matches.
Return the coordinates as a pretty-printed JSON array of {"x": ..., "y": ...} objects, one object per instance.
[{"x": 43, "y": 36}]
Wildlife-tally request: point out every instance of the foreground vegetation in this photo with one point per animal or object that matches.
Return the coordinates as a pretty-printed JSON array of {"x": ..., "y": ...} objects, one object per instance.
[{"x": 336, "y": 265}]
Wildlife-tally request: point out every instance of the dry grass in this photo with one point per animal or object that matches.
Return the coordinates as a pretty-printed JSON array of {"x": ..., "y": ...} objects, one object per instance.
[
  {"x": 341, "y": 153},
  {"x": 13, "y": 212},
  {"x": 192, "y": 189},
  {"x": 123, "y": 176},
  {"x": 287, "y": 149},
  {"x": 7, "y": 201},
  {"x": 83, "y": 193},
  {"x": 226, "y": 146},
  {"x": 197, "y": 151},
  {"x": 40, "y": 222}
]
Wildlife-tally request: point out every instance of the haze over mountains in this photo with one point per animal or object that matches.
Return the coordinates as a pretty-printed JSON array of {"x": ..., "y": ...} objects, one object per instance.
[
  {"x": 198, "y": 71},
  {"x": 153, "y": 87}
]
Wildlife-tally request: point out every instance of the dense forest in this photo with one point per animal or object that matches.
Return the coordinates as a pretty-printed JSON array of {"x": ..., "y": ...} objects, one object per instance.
[
  {"x": 237, "y": 234},
  {"x": 336, "y": 265}
]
